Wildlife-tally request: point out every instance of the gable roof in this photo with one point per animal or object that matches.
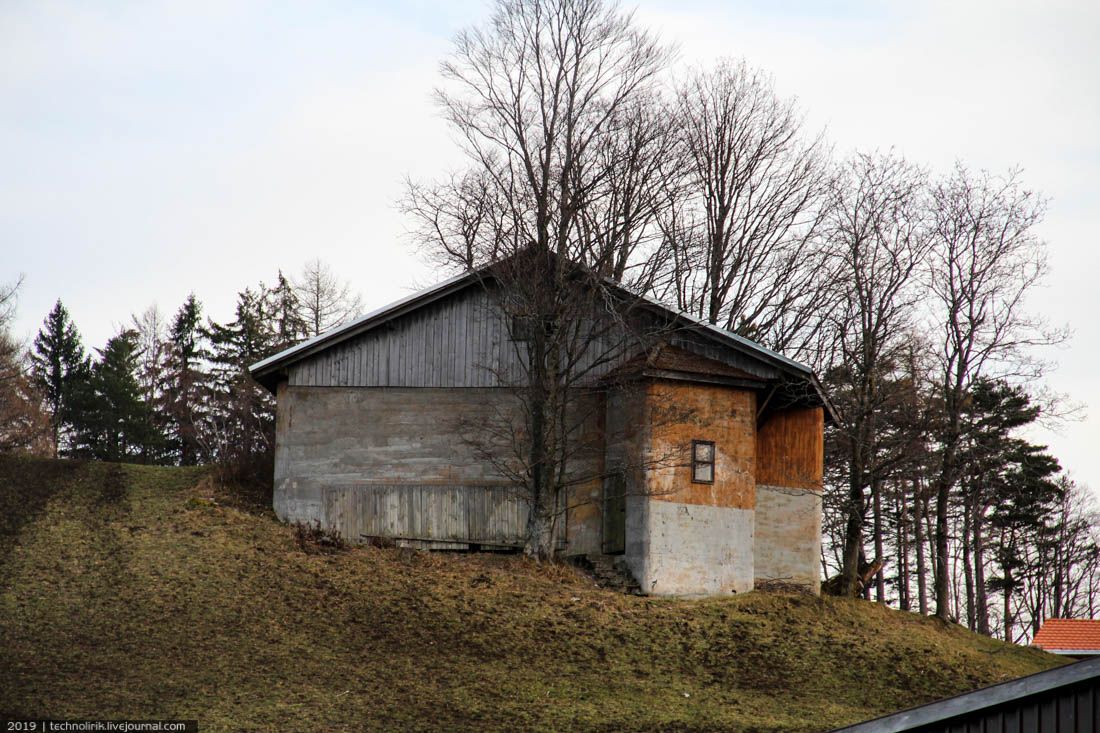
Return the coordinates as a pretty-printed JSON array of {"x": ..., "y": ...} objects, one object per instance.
[
  {"x": 954, "y": 710},
  {"x": 266, "y": 370},
  {"x": 1069, "y": 636}
]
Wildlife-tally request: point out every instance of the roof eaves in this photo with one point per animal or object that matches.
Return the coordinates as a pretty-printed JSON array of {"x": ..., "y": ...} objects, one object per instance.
[
  {"x": 385, "y": 313},
  {"x": 774, "y": 356},
  {"x": 364, "y": 323}
]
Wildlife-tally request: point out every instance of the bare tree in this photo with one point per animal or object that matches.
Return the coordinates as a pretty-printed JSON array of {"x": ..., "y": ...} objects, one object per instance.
[
  {"x": 458, "y": 223},
  {"x": 742, "y": 244},
  {"x": 325, "y": 300},
  {"x": 876, "y": 239},
  {"x": 552, "y": 102},
  {"x": 985, "y": 261},
  {"x": 642, "y": 163},
  {"x": 152, "y": 331},
  {"x": 24, "y": 424}
]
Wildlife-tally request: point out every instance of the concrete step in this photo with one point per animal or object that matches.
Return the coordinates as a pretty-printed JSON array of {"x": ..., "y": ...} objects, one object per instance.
[{"x": 610, "y": 572}]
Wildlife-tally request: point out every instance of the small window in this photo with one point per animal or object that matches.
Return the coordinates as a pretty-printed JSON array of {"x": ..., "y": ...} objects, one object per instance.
[
  {"x": 702, "y": 461},
  {"x": 524, "y": 327}
]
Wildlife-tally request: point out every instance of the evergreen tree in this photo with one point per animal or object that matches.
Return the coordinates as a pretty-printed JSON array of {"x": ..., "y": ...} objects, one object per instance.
[
  {"x": 115, "y": 422},
  {"x": 1010, "y": 492},
  {"x": 60, "y": 369},
  {"x": 243, "y": 423},
  {"x": 186, "y": 388},
  {"x": 288, "y": 325}
]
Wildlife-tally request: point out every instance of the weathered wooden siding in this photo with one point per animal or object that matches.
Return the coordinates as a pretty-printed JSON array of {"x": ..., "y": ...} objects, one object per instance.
[
  {"x": 696, "y": 344},
  {"x": 463, "y": 341},
  {"x": 490, "y": 515},
  {"x": 790, "y": 449},
  {"x": 678, "y": 413}
]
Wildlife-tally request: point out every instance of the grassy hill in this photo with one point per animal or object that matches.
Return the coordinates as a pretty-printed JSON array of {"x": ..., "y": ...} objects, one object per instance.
[{"x": 125, "y": 592}]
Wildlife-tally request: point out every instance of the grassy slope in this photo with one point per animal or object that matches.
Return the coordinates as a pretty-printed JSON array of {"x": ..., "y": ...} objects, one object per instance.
[{"x": 123, "y": 596}]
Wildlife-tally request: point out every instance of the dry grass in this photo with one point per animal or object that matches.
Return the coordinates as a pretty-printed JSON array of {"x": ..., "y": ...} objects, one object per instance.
[{"x": 140, "y": 592}]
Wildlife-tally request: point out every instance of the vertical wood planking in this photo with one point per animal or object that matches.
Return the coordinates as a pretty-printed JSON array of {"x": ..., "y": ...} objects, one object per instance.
[
  {"x": 461, "y": 341},
  {"x": 485, "y": 515}
]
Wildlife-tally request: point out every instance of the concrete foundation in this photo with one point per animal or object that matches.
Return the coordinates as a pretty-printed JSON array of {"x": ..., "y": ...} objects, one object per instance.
[
  {"x": 787, "y": 546},
  {"x": 676, "y": 549},
  {"x": 331, "y": 436}
]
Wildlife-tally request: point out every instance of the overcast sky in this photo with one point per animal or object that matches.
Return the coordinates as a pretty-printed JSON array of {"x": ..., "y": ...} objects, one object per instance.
[{"x": 151, "y": 149}]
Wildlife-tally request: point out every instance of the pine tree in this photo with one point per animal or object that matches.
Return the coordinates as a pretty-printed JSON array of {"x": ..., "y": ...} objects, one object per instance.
[
  {"x": 60, "y": 369},
  {"x": 1010, "y": 492}
]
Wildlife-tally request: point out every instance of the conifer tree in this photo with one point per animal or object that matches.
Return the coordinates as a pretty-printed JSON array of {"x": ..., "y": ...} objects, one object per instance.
[
  {"x": 288, "y": 325},
  {"x": 114, "y": 422},
  {"x": 186, "y": 384},
  {"x": 60, "y": 369},
  {"x": 243, "y": 422}
]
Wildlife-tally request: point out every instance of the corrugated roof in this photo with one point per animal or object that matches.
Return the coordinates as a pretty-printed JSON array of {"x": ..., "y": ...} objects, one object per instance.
[{"x": 1068, "y": 634}]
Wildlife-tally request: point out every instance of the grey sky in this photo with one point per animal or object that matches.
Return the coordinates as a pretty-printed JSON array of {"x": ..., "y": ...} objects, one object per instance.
[{"x": 151, "y": 149}]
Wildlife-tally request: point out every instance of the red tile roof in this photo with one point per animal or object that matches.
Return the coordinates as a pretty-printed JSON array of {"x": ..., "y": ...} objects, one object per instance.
[{"x": 1068, "y": 634}]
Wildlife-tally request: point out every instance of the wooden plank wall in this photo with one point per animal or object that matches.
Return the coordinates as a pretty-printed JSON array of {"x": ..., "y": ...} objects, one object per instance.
[
  {"x": 461, "y": 341},
  {"x": 790, "y": 449},
  {"x": 490, "y": 515}
]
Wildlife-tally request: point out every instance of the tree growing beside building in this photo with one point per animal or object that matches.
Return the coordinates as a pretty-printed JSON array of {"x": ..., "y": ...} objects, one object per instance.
[{"x": 538, "y": 98}]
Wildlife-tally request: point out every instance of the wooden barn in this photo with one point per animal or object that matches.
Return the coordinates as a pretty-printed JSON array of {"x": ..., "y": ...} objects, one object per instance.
[{"x": 372, "y": 440}]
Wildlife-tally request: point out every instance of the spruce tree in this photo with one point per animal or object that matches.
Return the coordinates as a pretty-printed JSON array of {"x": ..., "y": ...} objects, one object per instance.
[
  {"x": 244, "y": 413},
  {"x": 186, "y": 388},
  {"x": 288, "y": 325},
  {"x": 116, "y": 423},
  {"x": 60, "y": 370}
]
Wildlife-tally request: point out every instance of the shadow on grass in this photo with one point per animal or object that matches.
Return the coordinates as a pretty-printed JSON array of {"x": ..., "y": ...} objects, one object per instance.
[{"x": 26, "y": 487}]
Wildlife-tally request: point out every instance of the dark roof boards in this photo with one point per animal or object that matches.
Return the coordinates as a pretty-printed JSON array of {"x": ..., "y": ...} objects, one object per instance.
[{"x": 1061, "y": 700}]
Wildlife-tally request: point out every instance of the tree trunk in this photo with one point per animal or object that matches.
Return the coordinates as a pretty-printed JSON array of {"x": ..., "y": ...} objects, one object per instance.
[
  {"x": 538, "y": 543},
  {"x": 903, "y": 548},
  {"x": 980, "y": 590},
  {"x": 880, "y": 576},
  {"x": 918, "y": 540},
  {"x": 968, "y": 569},
  {"x": 943, "y": 498},
  {"x": 853, "y": 535},
  {"x": 941, "y": 586}
]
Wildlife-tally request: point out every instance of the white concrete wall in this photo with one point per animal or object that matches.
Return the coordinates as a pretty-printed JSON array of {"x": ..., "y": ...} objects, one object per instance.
[
  {"x": 689, "y": 549},
  {"x": 787, "y": 544}
]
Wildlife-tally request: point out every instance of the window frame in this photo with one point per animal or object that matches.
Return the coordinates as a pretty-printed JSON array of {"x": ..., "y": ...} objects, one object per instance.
[{"x": 696, "y": 463}]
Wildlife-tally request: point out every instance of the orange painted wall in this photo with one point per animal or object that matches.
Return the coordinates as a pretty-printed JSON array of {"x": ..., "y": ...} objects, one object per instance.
[
  {"x": 678, "y": 413},
  {"x": 790, "y": 449}
]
